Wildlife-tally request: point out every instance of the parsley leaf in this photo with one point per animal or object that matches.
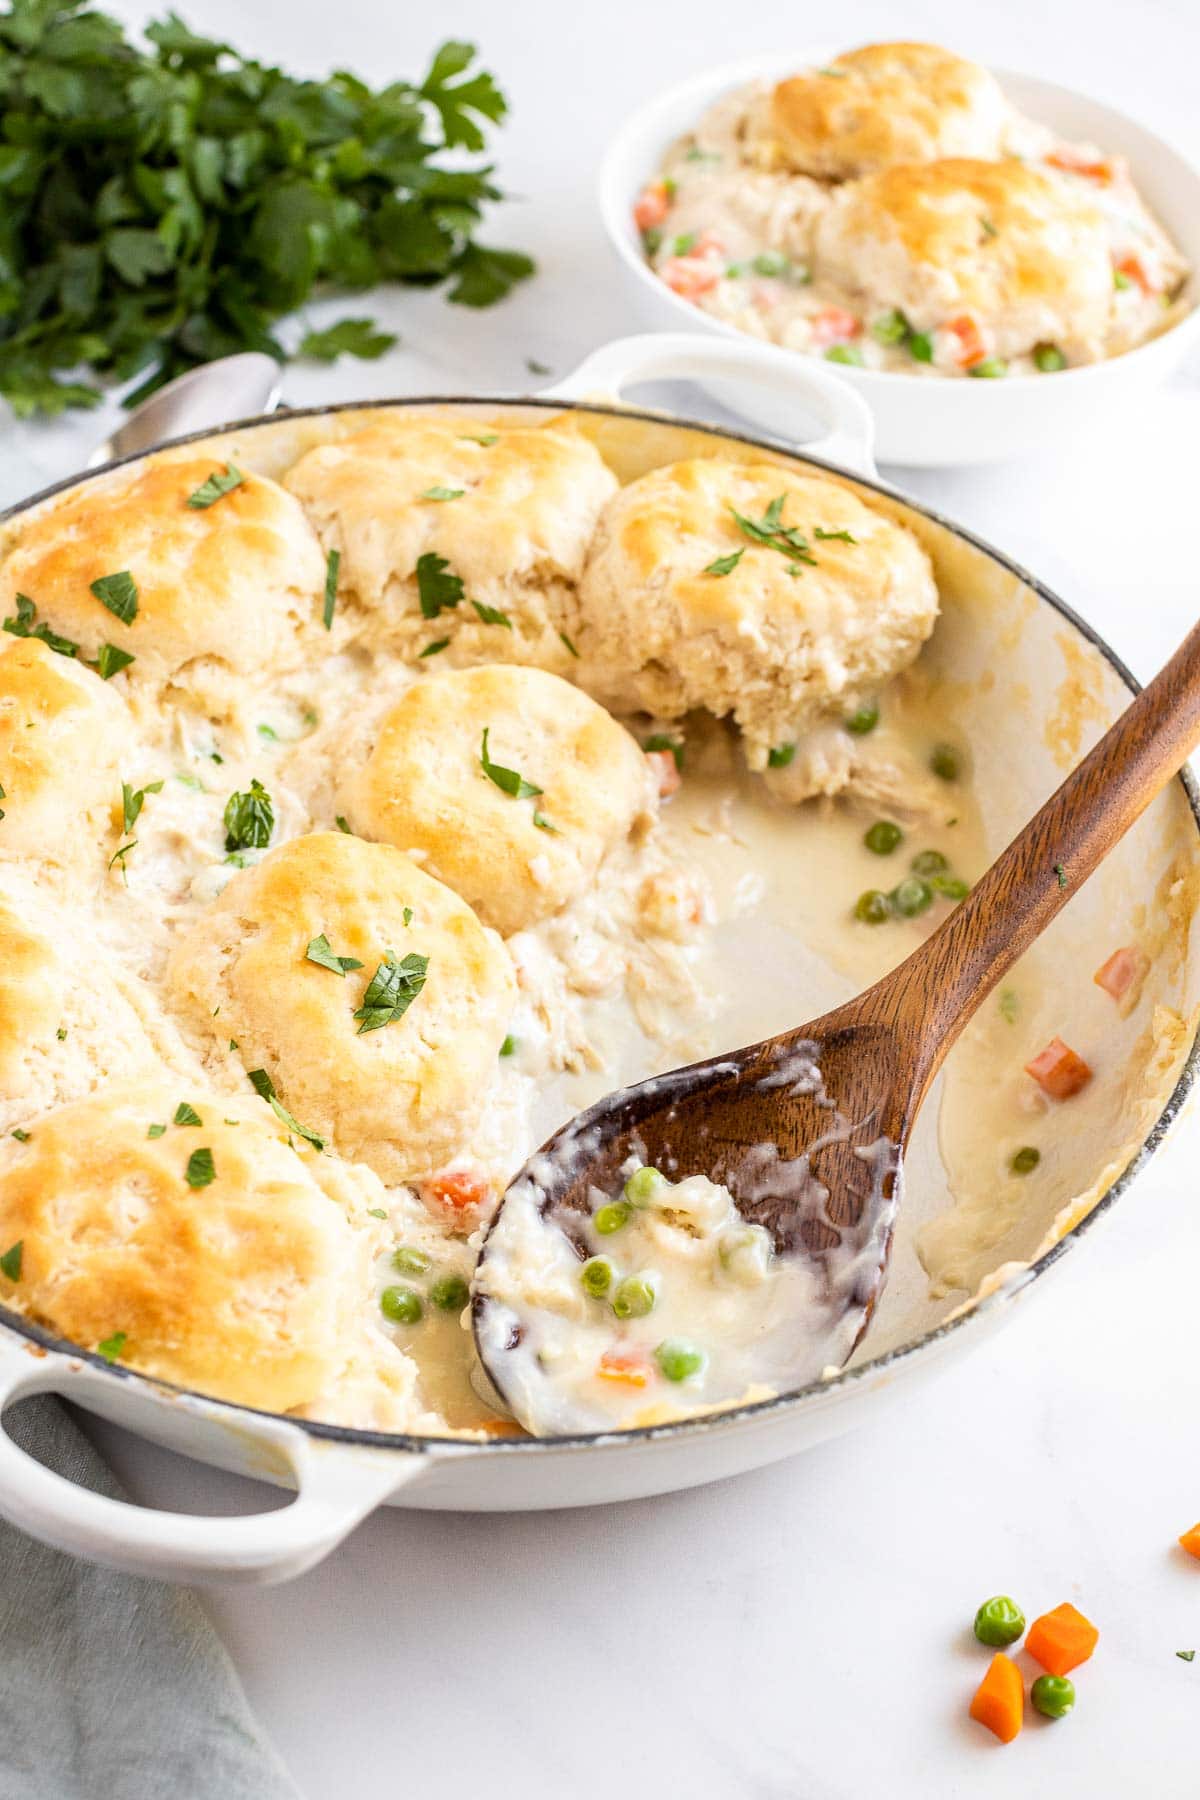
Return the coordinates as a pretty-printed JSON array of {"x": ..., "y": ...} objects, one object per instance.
[
  {"x": 433, "y": 649},
  {"x": 111, "y": 661},
  {"x": 333, "y": 563},
  {"x": 22, "y": 625},
  {"x": 262, "y": 1084},
  {"x": 391, "y": 990},
  {"x": 443, "y": 493},
  {"x": 507, "y": 780},
  {"x": 570, "y": 646},
  {"x": 110, "y": 1348},
  {"x": 186, "y": 1115},
  {"x": 725, "y": 565},
  {"x": 22, "y": 1137},
  {"x": 201, "y": 1169},
  {"x": 771, "y": 532},
  {"x": 132, "y": 802},
  {"x": 320, "y": 952},
  {"x": 492, "y": 615},
  {"x": 156, "y": 1131},
  {"x": 349, "y": 337},
  {"x": 119, "y": 593},
  {"x": 435, "y": 588},
  {"x": 219, "y": 483},
  {"x": 10, "y": 1262},
  {"x": 830, "y": 537},
  {"x": 249, "y": 819},
  {"x": 343, "y": 825}
]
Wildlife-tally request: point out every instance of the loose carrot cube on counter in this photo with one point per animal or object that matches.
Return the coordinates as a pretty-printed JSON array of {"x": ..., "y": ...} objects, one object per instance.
[
  {"x": 1191, "y": 1541},
  {"x": 999, "y": 1700},
  {"x": 1058, "y": 1071},
  {"x": 1062, "y": 1639}
]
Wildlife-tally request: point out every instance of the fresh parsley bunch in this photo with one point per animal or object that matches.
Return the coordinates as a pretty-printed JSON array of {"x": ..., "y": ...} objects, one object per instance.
[{"x": 165, "y": 206}]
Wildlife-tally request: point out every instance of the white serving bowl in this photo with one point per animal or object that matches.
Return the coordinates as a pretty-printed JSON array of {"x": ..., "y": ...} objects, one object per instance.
[{"x": 923, "y": 421}]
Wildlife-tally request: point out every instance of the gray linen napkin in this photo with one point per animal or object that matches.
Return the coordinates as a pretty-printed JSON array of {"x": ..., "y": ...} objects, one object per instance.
[{"x": 113, "y": 1687}]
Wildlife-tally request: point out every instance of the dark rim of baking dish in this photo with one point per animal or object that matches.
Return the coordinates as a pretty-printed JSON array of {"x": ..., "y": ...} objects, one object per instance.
[{"x": 794, "y": 1397}]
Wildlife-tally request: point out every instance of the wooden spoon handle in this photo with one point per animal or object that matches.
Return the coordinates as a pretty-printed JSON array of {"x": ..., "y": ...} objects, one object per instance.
[{"x": 933, "y": 994}]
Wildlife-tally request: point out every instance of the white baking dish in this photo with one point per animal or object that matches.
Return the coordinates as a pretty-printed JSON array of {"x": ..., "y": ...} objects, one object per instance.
[
  {"x": 925, "y": 421},
  {"x": 997, "y": 619}
]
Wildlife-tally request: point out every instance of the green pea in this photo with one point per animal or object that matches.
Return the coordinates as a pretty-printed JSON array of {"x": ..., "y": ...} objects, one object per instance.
[
  {"x": 781, "y": 756},
  {"x": 872, "y": 907},
  {"x": 1048, "y": 358},
  {"x": 643, "y": 1185},
  {"x": 864, "y": 720},
  {"x": 596, "y": 1276},
  {"x": 845, "y": 353},
  {"x": 678, "y": 1359},
  {"x": 684, "y": 244},
  {"x": 401, "y": 1305},
  {"x": 929, "y": 862},
  {"x": 920, "y": 347},
  {"x": 951, "y": 887},
  {"x": 911, "y": 897},
  {"x": 1024, "y": 1160},
  {"x": 509, "y": 1045},
  {"x": 612, "y": 1217},
  {"x": 635, "y": 1297},
  {"x": 1053, "y": 1695},
  {"x": 409, "y": 1261},
  {"x": 771, "y": 263},
  {"x": 990, "y": 369},
  {"x": 450, "y": 1293},
  {"x": 944, "y": 761},
  {"x": 999, "y": 1621},
  {"x": 882, "y": 837},
  {"x": 890, "y": 328}
]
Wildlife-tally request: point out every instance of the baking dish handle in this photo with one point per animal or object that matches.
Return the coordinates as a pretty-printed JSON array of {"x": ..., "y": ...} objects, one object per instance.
[
  {"x": 336, "y": 1487},
  {"x": 849, "y": 428}
]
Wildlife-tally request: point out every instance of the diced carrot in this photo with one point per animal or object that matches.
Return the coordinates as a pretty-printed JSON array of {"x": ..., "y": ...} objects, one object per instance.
[
  {"x": 834, "y": 325},
  {"x": 498, "y": 1428},
  {"x": 1062, "y": 1639},
  {"x": 665, "y": 771},
  {"x": 1058, "y": 1071},
  {"x": 624, "y": 1365},
  {"x": 1123, "y": 968},
  {"x": 456, "y": 1190},
  {"x": 971, "y": 347},
  {"x": 999, "y": 1700},
  {"x": 1134, "y": 270},
  {"x": 651, "y": 206},
  {"x": 691, "y": 276},
  {"x": 1191, "y": 1542},
  {"x": 1095, "y": 168}
]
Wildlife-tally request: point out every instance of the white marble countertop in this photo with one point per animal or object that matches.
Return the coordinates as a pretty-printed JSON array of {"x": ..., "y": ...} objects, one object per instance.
[{"x": 802, "y": 1632}]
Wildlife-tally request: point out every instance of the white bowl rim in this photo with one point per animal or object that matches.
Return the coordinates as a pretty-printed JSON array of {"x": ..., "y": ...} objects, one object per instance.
[
  {"x": 709, "y": 84},
  {"x": 795, "y": 1398}
]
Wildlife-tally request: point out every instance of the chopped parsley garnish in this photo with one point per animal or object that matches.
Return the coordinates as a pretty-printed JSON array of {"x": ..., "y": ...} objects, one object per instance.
[
  {"x": 262, "y": 1084},
  {"x": 781, "y": 756},
  {"x": 443, "y": 493},
  {"x": 3, "y": 796},
  {"x": 200, "y": 1169},
  {"x": 1186, "y": 1655},
  {"x": 321, "y": 952},
  {"x": 486, "y": 438},
  {"x": 660, "y": 741},
  {"x": 833, "y": 537},
  {"x": 156, "y": 1131},
  {"x": 249, "y": 819},
  {"x": 186, "y": 1115},
  {"x": 509, "y": 1045},
  {"x": 433, "y": 649},
  {"x": 22, "y": 1137},
  {"x": 436, "y": 589},
  {"x": 1062, "y": 875},
  {"x": 986, "y": 226},
  {"x": 110, "y": 661},
  {"x": 61, "y": 1034},
  {"x": 725, "y": 565},
  {"x": 118, "y": 856},
  {"x": 1009, "y": 1005},
  {"x": 570, "y": 646},
  {"x": 268, "y": 733},
  {"x": 10, "y": 1262},
  {"x": 132, "y": 801},
  {"x": 507, "y": 780},
  {"x": 391, "y": 990},
  {"x": 834, "y": 74},
  {"x": 333, "y": 563},
  {"x": 491, "y": 615},
  {"x": 341, "y": 824},
  {"x": 22, "y": 625},
  {"x": 537, "y": 368},
  {"x": 697, "y": 155},
  {"x": 110, "y": 1348},
  {"x": 773, "y": 534},
  {"x": 543, "y": 823},
  {"x": 119, "y": 593},
  {"x": 349, "y": 337},
  {"x": 408, "y": 918},
  {"x": 220, "y": 482}
]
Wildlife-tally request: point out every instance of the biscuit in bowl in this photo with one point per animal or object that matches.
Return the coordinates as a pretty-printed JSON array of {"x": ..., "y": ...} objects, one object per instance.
[
  {"x": 204, "y": 1251},
  {"x": 515, "y": 857},
  {"x": 752, "y": 591},
  {"x": 451, "y": 531},
  {"x": 878, "y": 105},
  {"x": 60, "y": 730},
  {"x": 131, "y": 563},
  {"x": 390, "y": 1059}
]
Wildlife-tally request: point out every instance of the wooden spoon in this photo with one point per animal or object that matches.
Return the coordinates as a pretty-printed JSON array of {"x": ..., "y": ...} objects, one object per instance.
[{"x": 817, "y": 1159}]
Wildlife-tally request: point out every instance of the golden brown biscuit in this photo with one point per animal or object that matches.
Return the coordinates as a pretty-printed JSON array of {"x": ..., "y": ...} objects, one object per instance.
[
  {"x": 685, "y": 608},
  {"x": 244, "y": 1286},
  {"x": 424, "y": 789},
  {"x": 403, "y": 1095},
  {"x": 233, "y": 582},
  {"x": 61, "y": 730},
  {"x": 882, "y": 104},
  {"x": 1024, "y": 256},
  {"x": 510, "y": 537}
]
